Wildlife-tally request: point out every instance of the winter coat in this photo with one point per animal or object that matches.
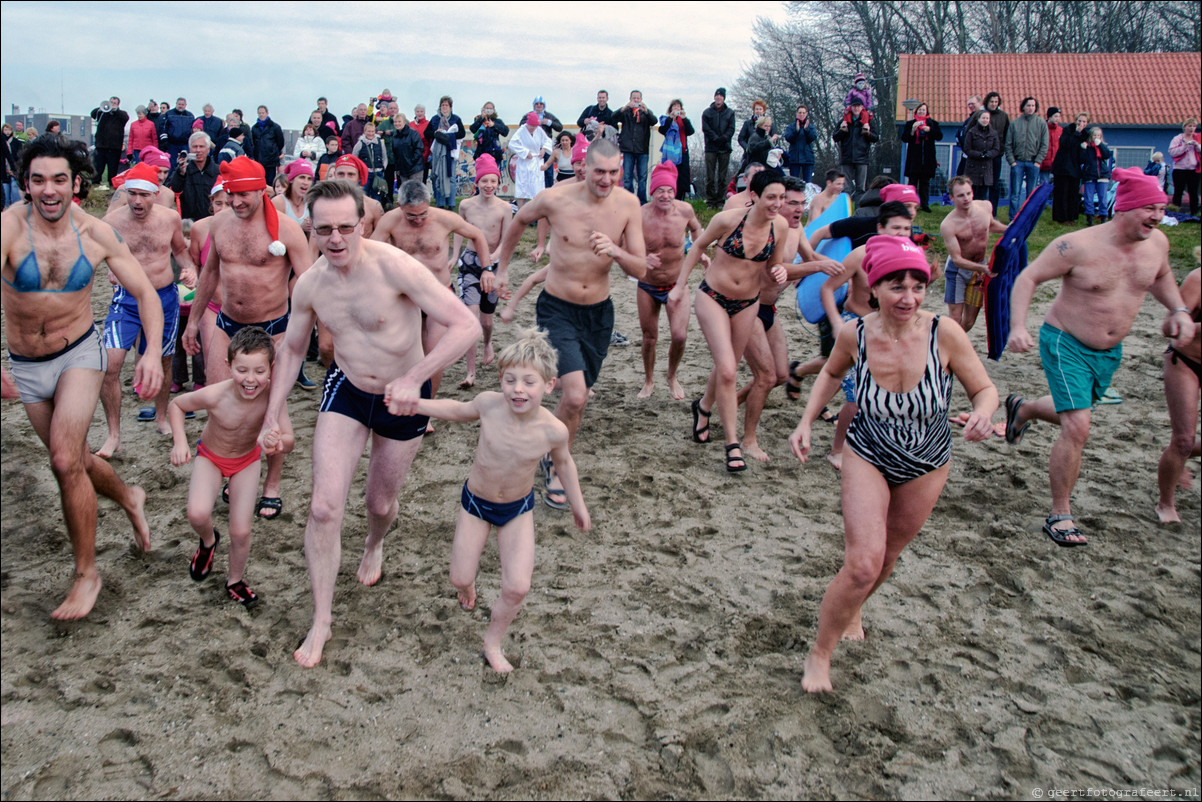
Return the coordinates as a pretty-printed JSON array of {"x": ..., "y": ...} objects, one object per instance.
[
  {"x": 981, "y": 147},
  {"x": 718, "y": 127},
  {"x": 488, "y": 139},
  {"x": 921, "y": 161},
  {"x": 635, "y": 134},
  {"x": 110, "y": 128},
  {"x": 1053, "y": 148},
  {"x": 1095, "y": 164},
  {"x": 267, "y": 142},
  {"x": 1026, "y": 139},
  {"x": 801, "y": 150},
  {"x": 1068, "y": 157},
  {"x": 854, "y": 144},
  {"x": 193, "y": 186},
  {"x": 175, "y": 127},
  {"x": 407, "y": 151}
]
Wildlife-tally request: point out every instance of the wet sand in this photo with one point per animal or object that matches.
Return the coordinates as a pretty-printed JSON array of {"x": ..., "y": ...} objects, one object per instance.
[{"x": 660, "y": 655}]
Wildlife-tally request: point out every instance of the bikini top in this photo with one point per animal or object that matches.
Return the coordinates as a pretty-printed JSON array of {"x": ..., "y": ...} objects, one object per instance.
[
  {"x": 734, "y": 243},
  {"x": 29, "y": 275}
]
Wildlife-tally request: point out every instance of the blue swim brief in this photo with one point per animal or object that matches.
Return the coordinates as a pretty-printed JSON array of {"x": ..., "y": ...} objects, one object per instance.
[{"x": 495, "y": 512}]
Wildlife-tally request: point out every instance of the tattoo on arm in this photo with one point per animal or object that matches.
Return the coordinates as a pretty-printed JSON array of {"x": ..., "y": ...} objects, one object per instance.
[
  {"x": 1062, "y": 246},
  {"x": 120, "y": 238}
]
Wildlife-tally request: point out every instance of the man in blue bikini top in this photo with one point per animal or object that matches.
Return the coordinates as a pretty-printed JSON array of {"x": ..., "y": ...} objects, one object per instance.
[{"x": 50, "y": 250}]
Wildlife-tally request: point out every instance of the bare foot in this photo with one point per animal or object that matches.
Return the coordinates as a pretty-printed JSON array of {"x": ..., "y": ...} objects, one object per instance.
[
  {"x": 163, "y": 426},
  {"x": 489, "y": 354},
  {"x": 467, "y": 598},
  {"x": 470, "y": 381},
  {"x": 854, "y": 629},
  {"x": 835, "y": 458},
  {"x": 309, "y": 653},
  {"x": 1167, "y": 513},
  {"x": 817, "y": 677},
  {"x": 372, "y": 565},
  {"x": 647, "y": 390},
  {"x": 111, "y": 446},
  {"x": 429, "y": 428},
  {"x": 137, "y": 516},
  {"x": 80, "y": 599},
  {"x": 752, "y": 449},
  {"x": 496, "y": 659},
  {"x": 675, "y": 390}
]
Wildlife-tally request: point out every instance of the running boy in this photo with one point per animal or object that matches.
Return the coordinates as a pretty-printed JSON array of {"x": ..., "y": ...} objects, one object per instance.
[
  {"x": 477, "y": 272},
  {"x": 515, "y": 432},
  {"x": 236, "y": 408}
]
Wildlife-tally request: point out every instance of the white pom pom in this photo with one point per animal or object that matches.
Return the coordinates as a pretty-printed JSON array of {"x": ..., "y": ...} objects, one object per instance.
[{"x": 276, "y": 248}]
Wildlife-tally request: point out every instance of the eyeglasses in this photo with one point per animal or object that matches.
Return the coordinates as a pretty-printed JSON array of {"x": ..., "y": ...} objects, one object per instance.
[{"x": 344, "y": 230}]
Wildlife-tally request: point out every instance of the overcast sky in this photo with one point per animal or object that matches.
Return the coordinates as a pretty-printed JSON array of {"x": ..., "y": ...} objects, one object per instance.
[{"x": 71, "y": 55}]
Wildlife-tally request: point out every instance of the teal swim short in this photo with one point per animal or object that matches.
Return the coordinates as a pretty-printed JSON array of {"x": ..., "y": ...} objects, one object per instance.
[{"x": 1077, "y": 374}]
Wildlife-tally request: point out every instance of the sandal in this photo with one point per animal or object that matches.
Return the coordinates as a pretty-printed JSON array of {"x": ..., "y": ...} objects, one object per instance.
[
  {"x": 1061, "y": 536},
  {"x": 793, "y": 384},
  {"x": 202, "y": 560},
  {"x": 698, "y": 414},
  {"x": 735, "y": 463},
  {"x": 560, "y": 503},
  {"x": 225, "y": 492},
  {"x": 240, "y": 593},
  {"x": 274, "y": 504},
  {"x": 1015, "y": 430},
  {"x": 826, "y": 417}
]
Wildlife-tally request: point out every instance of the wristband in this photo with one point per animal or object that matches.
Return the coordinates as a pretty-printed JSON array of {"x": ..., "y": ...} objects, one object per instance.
[{"x": 1184, "y": 309}]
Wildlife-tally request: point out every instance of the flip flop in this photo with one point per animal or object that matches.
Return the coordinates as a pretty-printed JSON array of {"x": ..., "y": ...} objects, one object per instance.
[
  {"x": 547, "y": 491},
  {"x": 1061, "y": 536},
  {"x": 146, "y": 415},
  {"x": 273, "y": 503},
  {"x": 1110, "y": 397},
  {"x": 202, "y": 560}
]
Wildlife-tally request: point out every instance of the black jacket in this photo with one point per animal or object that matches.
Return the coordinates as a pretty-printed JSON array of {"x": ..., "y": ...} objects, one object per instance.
[
  {"x": 921, "y": 161},
  {"x": 408, "y": 151},
  {"x": 854, "y": 144},
  {"x": 981, "y": 146},
  {"x": 110, "y": 128},
  {"x": 718, "y": 128},
  {"x": 194, "y": 186},
  {"x": 267, "y": 142},
  {"x": 634, "y": 135},
  {"x": 488, "y": 139},
  {"x": 606, "y": 116}
]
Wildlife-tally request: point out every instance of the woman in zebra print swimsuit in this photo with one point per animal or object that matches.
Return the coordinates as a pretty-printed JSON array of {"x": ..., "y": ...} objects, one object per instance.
[{"x": 899, "y": 441}]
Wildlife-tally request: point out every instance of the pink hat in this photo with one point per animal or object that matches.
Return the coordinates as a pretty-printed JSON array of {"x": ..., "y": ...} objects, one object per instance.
[
  {"x": 580, "y": 149},
  {"x": 142, "y": 176},
  {"x": 1135, "y": 189},
  {"x": 885, "y": 255},
  {"x": 154, "y": 156},
  {"x": 531, "y": 119},
  {"x": 663, "y": 175},
  {"x": 487, "y": 165},
  {"x": 198, "y": 124},
  {"x": 298, "y": 167},
  {"x": 899, "y": 192}
]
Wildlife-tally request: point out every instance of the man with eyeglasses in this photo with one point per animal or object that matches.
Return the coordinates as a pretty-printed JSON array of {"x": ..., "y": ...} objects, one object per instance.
[{"x": 371, "y": 297}]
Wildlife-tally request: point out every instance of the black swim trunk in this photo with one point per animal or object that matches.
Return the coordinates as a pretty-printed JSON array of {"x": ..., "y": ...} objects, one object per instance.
[
  {"x": 272, "y": 327},
  {"x": 767, "y": 315},
  {"x": 579, "y": 333},
  {"x": 338, "y": 395}
]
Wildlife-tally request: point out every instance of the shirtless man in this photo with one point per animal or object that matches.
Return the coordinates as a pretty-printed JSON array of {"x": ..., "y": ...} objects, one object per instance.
[
  {"x": 836, "y": 181},
  {"x": 153, "y": 235},
  {"x": 665, "y": 223},
  {"x": 767, "y": 352},
  {"x": 50, "y": 251},
  {"x": 477, "y": 277},
  {"x": 966, "y": 233},
  {"x": 157, "y": 159},
  {"x": 588, "y": 221},
  {"x": 742, "y": 200},
  {"x": 371, "y": 298},
  {"x": 424, "y": 234},
  {"x": 1105, "y": 273},
  {"x": 253, "y": 256}
]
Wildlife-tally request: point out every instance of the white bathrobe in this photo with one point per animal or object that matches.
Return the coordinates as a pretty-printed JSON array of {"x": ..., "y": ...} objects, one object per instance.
[{"x": 528, "y": 173}]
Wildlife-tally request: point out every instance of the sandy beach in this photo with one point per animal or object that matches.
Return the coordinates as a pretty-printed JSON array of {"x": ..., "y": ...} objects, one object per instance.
[{"x": 659, "y": 655}]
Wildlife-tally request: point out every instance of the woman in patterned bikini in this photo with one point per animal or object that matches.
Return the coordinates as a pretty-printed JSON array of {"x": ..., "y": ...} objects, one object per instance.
[
  {"x": 900, "y": 441},
  {"x": 728, "y": 299}
]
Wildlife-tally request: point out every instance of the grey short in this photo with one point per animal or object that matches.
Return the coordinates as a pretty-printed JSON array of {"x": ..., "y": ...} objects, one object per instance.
[
  {"x": 956, "y": 281},
  {"x": 470, "y": 271},
  {"x": 37, "y": 377}
]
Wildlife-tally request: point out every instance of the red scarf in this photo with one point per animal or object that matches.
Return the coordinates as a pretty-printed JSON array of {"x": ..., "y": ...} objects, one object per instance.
[{"x": 918, "y": 132}]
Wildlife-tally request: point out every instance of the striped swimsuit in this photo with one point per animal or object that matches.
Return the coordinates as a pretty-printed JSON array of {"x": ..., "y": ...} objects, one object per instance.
[{"x": 903, "y": 435}]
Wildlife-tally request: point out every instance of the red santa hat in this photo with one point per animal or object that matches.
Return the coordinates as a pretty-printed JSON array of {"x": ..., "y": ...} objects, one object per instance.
[
  {"x": 357, "y": 163},
  {"x": 245, "y": 175},
  {"x": 142, "y": 176}
]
